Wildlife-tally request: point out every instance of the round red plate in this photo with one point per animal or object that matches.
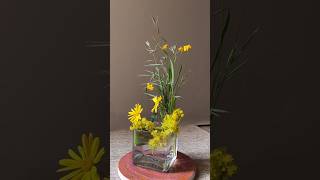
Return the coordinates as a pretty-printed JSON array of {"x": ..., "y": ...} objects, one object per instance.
[{"x": 183, "y": 169}]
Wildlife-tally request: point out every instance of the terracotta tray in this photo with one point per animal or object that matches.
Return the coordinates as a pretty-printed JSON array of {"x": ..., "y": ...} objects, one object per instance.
[{"x": 183, "y": 169}]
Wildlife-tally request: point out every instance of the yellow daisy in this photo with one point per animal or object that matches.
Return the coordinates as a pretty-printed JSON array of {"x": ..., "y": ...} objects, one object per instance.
[
  {"x": 156, "y": 100},
  {"x": 134, "y": 114},
  {"x": 82, "y": 165}
]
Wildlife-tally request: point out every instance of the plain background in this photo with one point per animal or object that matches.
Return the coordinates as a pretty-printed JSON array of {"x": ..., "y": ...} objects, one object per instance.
[
  {"x": 273, "y": 125},
  {"x": 181, "y": 21},
  {"x": 53, "y": 87}
]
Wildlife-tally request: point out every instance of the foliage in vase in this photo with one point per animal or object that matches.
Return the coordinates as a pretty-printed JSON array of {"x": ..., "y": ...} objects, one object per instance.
[{"x": 165, "y": 77}]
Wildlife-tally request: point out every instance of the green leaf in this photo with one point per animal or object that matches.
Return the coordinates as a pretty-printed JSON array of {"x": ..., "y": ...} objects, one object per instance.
[
  {"x": 145, "y": 75},
  {"x": 236, "y": 69},
  {"x": 219, "y": 111},
  {"x": 171, "y": 73},
  {"x": 230, "y": 57},
  {"x": 150, "y": 94},
  {"x": 249, "y": 39},
  {"x": 153, "y": 65},
  {"x": 221, "y": 42}
]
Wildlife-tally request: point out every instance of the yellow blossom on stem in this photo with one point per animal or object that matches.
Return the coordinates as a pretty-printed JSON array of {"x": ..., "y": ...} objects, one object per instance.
[
  {"x": 134, "y": 114},
  {"x": 185, "y": 48},
  {"x": 156, "y": 100},
  {"x": 165, "y": 46},
  {"x": 150, "y": 87}
]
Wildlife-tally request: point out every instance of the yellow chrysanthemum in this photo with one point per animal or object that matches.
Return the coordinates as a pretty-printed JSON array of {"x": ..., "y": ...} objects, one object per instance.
[
  {"x": 156, "y": 101},
  {"x": 165, "y": 46},
  {"x": 185, "y": 48},
  {"x": 150, "y": 87},
  {"x": 134, "y": 114},
  {"x": 83, "y": 165}
]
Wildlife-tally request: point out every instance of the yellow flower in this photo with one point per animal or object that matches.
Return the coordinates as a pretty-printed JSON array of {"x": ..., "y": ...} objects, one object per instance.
[
  {"x": 150, "y": 87},
  {"x": 147, "y": 125},
  {"x": 82, "y": 165},
  {"x": 185, "y": 48},
  {"x": 165, "y": 46},
  {"x": 156, "y": 100},
  {"x": 169, "y": 126},
  {"x": 142, "y": 124},
  {"x": 158, "y": 140},
  {"x": 171, "y": 121},
  {"x": 134, "y": 114}
]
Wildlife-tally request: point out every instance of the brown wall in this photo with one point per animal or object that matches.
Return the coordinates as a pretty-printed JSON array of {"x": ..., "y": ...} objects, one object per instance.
[{"x": 181, "y": 21}]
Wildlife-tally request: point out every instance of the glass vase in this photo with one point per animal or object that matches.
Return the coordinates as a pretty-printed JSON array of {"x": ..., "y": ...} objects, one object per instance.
[{"x": 159, "y": 159}]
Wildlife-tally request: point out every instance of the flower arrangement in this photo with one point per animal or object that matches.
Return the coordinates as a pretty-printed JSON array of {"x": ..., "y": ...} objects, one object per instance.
[{"x": 165, "y": 78}]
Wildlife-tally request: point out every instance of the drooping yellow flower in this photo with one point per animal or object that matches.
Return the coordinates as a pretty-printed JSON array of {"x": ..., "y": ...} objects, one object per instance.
[
  {"x": 134, "y": 114},
  {"x": 185, "y": 48},
  {"x": 171, "y": 121},
  {"x": 156, "y": 100},
  {"x": 165, "y": 46},
  {"x": 169, "y": 126},
  {"x": 150, "y": 87}
]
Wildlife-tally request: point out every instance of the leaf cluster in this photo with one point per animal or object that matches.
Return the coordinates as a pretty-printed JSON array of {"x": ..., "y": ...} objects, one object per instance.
[
  {"x": 164, "y": 71},
  {"x": 224, "y": 67}
]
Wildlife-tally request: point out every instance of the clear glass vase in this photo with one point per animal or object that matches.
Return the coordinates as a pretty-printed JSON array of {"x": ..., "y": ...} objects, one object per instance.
[{"x": 159, "y": 159}]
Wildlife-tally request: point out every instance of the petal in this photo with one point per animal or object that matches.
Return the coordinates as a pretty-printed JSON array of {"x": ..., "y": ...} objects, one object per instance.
[
  {"x": 85, "y": 144},
  {"x": 70, "y": 175},
  {"x": 69, "y": 162},
  {"x": 73, "y": 155},
  {"x": 94, "y": 147},
  {"x": 99, "y": 156}
]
